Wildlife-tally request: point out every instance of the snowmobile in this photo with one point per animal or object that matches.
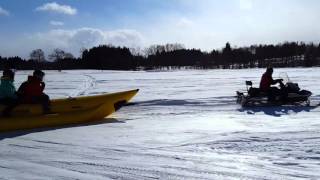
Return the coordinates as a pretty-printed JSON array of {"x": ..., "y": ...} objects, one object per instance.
[{"x": 293, "y": 95}]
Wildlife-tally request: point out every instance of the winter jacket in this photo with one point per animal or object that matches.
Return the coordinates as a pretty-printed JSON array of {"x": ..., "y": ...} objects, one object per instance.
[
  {"x": 7, "y": 89},
  {"x": 266, "y": 82},
  {"x": 31, "y": 88}
]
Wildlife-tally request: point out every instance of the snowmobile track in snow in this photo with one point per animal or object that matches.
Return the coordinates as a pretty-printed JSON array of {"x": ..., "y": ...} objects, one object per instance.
[{"x": 89, "y": 83}]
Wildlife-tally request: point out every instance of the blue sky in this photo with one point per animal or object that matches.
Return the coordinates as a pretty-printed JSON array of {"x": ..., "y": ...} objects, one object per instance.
[{"x": 206, "y": 24}]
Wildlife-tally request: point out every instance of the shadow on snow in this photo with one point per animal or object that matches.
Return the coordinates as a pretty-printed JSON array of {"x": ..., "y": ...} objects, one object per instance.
[
  {"x": 17, "y": 133},
  {"x": 277, "y": 111}
]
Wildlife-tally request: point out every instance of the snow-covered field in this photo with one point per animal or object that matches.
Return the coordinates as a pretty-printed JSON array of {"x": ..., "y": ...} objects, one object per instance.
[{"x": 184, "y": 125}]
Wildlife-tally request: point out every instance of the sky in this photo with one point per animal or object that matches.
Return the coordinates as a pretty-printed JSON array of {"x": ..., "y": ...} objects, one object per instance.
[{"x": 72, "y": 25}]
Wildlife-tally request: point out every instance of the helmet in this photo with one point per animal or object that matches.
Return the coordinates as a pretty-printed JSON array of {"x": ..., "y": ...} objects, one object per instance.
[
  {"x": 38, "y": 73},
  {"x": 8, "y": 73},
  {"x": 269, "y": 70}
]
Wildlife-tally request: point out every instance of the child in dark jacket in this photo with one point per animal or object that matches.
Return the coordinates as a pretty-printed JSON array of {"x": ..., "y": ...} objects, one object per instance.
[{"x": 31, "y": 91}]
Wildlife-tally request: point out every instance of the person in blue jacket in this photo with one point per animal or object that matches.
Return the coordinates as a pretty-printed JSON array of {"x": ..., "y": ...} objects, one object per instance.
[{"x": 8, "y": 94}]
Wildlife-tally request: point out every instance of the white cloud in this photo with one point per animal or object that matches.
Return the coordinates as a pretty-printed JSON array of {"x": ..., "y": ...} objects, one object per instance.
[
  {"x": 56, "y": 23},
  {"x": 209, "y": 24},
  {"x": 70, "y": 41},
  {"x": 184, "y": 23},
  {"x": 55, "y": 7},
  {"x": 76, "y": 39},
  {"x": 4, "y": 12},
  {"x": 246, "y": 4}
]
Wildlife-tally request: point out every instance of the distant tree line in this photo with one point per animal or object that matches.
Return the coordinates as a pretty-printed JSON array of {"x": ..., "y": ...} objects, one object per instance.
[{"x": 288, "y": 54}]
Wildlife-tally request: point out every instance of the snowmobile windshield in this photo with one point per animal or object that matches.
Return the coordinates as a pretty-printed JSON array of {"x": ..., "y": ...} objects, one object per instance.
[{"x": 285, "y": 77}]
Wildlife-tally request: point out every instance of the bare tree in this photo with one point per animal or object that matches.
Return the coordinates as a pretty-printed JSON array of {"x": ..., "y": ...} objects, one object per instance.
[
  {"x": 59, "y": 54},
  {"x": 154, "y": 49},
  {"x": 68, "y": 56},
  {"x": 37, "y": 55}
]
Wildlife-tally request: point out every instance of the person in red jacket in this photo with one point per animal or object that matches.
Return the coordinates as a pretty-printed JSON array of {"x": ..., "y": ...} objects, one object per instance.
[
  {"x": 31, "y": 91},
  {"x": 267, "y": 81}
]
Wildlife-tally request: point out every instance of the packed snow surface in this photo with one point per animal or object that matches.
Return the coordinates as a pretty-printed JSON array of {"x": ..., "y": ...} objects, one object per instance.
[{"x": 183, "y": 125}]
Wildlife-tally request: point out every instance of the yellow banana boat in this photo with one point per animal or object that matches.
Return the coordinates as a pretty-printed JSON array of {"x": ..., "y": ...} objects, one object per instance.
[{"x": 66, "y": 111}]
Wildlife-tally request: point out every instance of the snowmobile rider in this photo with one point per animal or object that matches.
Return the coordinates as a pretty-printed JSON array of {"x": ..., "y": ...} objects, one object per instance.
[
  {"x": 31, "y": 91},
  {"x": 267, "y": 81},
  {"x": 8, "y": 94}
]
